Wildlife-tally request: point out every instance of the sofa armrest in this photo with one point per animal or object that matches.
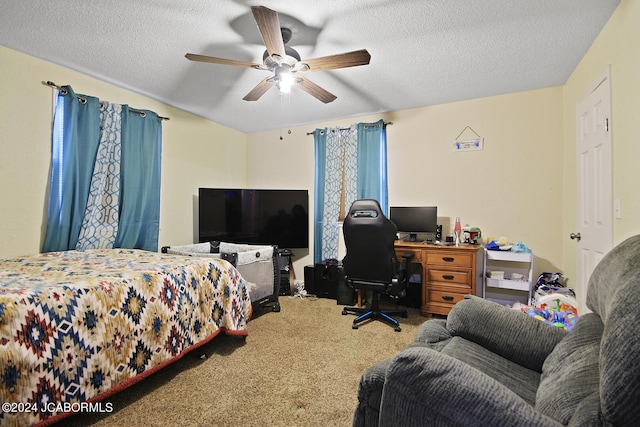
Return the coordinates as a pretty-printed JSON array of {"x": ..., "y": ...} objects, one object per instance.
[
  {"x": 370, "y": 395},
  {"x": 424, "y": 387},
  {"x": 510, "y": 333}
]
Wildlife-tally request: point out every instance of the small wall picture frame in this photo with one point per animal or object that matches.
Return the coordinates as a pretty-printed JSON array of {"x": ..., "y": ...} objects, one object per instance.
[
  {"x": 468, "y": 144},
  {"x": 475, "y": 144}
]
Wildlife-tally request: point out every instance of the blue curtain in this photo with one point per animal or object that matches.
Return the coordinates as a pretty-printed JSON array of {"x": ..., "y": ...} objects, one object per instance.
[
  {"x": 320, "y": 144},
  {"x": 372, "y": 163},
  {"x": 343, "y": 157},
  {"x": 76, "y": 171},
  {"x": 76, "y": 135},
  {"x": 140, "y": 186}
]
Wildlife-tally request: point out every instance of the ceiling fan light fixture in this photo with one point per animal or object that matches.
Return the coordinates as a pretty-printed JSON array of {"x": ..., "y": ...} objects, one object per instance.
[{"x": 285, "y": 81}]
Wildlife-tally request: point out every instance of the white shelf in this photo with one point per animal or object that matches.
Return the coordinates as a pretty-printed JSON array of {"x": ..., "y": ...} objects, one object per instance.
[
  {"x": 518, "y": 285},
  {"x": 509, "y": 256},
  {"x": 505, "y": 290}
]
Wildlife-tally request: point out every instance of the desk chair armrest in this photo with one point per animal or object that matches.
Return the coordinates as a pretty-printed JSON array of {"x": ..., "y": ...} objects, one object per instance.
[
  {"x": 407, "y": 257},
  {"x": 402, "y": 276}
]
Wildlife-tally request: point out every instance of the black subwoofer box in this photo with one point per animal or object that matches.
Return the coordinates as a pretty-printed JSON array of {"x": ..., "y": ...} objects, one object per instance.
[
  {"x": 327, "y": 281},
  {"x": 413, "y": 291},
  {"x": 309, "y": 279}
]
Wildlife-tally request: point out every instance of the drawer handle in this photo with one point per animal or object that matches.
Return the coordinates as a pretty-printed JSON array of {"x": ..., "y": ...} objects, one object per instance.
[
  {"x": 448, "y": 276},
  {"x": 448, "y": 258},
  {"x": 447, "y": 297}
]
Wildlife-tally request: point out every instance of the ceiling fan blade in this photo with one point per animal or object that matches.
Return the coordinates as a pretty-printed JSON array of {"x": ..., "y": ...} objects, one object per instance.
[
  {"x": 223, "y": 61},
  {"x": 316, "y": 91},
  {"x": 260, "y": 89},
  {"x": 341, "y": 60},
  {"x": 269, "y": 26}
]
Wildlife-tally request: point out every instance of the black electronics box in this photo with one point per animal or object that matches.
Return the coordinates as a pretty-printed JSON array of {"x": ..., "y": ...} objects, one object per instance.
[
  {"x": 413, "y": 292},
  {"x": 309, "y": 284},
  {"x": 285, "y": 287},
  {"x": 327, "y": 280}
]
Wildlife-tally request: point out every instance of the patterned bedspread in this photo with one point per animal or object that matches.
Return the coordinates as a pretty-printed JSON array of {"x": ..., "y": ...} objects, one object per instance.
[{"x": 78, "y": 326}]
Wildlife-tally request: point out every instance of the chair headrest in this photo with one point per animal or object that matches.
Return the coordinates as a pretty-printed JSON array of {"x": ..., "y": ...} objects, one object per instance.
[{"x": 365, "y": 208}]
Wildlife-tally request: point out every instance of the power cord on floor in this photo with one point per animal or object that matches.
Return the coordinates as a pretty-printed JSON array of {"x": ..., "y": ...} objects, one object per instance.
[{"x": 301, "y": 292}]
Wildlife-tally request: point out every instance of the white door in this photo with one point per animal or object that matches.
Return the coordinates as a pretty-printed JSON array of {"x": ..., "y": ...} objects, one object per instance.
[{"x": 594, "y": 207}]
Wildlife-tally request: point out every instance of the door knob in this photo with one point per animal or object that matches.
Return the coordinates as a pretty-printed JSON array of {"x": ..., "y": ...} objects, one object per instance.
[{"x": 575, "y": 236}]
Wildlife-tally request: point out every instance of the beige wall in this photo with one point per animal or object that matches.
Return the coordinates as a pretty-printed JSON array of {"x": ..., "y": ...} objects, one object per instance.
[
  {"x": 512, "y": 188},
  {"x": 520, "y": 186},
  {"x": 196, "y": 152},
  {"x": 616, "y": 47}
]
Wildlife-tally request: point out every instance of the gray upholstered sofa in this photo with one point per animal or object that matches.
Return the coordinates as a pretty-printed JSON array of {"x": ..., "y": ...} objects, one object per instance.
[{"x": 490, "y": 365}]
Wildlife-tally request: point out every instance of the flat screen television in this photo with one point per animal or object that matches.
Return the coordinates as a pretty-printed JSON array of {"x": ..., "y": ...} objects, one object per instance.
[
  {"x": 414, "y": 220},
  {"x": 253, "y": 216}
]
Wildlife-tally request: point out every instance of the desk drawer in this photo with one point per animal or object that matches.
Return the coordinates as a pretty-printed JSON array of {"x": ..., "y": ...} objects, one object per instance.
[
  {"x": 439, "y": 302},
  {"x": 454, "y": 259},
  {"x": 457, "y": 277},
  {"x": 443, "y": 297}
]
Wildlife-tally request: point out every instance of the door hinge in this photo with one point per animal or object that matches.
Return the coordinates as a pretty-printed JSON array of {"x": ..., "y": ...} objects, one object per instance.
[{"x": 606, "y": 124}]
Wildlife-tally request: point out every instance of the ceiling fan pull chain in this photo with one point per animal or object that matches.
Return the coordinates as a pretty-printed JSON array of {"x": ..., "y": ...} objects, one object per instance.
[{"x": 281, "y": 114}]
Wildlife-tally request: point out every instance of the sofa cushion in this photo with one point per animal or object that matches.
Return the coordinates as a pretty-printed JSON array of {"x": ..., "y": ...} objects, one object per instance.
[
  {"x": 522, "y": 381},
  {"x": 433, "y": 333},
  {"x": 424, "y": 387},
  {"x": 571, "y": 372},
  {"x": 510, "y": 333}
]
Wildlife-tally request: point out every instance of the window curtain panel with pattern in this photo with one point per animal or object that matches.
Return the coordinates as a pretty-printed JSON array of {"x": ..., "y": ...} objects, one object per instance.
[
  {"x": 350, "y": 164},
  {"x": 105, "y": 175}
]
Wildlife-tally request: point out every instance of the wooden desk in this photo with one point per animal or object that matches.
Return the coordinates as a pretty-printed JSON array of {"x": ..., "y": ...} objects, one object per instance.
[{"x": 448, "y": 273}]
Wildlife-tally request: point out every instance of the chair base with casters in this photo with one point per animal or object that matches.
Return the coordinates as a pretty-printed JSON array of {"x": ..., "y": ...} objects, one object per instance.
[{"x": 374, "y": 312}]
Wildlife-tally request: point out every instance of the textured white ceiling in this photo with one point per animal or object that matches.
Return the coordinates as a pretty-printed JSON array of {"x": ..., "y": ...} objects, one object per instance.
[{"x": 423, "y": 52}]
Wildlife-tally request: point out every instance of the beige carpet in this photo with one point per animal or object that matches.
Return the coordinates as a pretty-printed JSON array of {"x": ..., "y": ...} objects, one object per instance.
[{"x": 298, "y": 367}]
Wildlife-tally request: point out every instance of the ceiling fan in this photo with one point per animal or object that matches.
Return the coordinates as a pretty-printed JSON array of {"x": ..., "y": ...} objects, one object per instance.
[{"x": 284, "y": 62}]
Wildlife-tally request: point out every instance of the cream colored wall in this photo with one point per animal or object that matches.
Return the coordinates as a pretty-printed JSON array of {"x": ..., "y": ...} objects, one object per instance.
[
  {"x": 617, "y": 46},
  {"x": 520, "y": 186},
  {"x": 196, "y": 152},
  {"x": 512, "y": 188}
]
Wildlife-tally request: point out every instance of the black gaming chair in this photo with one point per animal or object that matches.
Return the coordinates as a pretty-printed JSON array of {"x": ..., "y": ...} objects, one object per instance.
[{"x": 371, "y": 263}]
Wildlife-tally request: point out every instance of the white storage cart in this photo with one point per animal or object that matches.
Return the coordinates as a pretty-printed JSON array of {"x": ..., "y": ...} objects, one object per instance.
[{"x": 508, "y": 276}]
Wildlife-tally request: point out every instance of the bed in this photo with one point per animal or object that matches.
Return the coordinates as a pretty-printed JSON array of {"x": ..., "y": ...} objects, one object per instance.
[
  {"x": 258, "y": 265},
  {"x": 78, "y": 326}
]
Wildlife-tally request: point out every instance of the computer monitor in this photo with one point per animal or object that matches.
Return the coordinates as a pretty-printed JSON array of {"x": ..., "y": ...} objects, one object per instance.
[{"x": 414, "y": 220}]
